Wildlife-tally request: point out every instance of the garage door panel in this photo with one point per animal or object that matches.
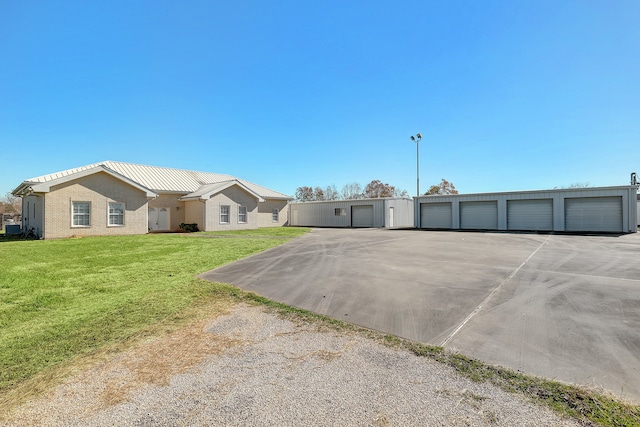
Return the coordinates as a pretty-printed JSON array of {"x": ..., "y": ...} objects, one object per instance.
[
  {"x": 482, "y": 215},
  {"x": 362, "y": 216},
  {"x": 530, "y": 214},
  {"x": 435, "y": 215},
  {"x": 600, "y": 214}
]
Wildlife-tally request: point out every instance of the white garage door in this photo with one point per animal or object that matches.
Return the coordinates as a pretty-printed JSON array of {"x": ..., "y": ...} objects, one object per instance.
[
  {"x": 593, "y": 214},
  {"x": 530, "y": 214},
  {"x": 362, "y": 216},
  {"x": 479, "y": 215},
  {"x": 435, "y": 215}
]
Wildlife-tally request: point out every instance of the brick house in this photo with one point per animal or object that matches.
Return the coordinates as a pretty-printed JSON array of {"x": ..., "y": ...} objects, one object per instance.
[{"x": 117, "y": 198}]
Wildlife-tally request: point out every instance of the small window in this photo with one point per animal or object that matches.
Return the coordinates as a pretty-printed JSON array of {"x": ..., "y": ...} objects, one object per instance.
[
  {"x": 81, "y": 214},
  {"x": 242, "y": 214},
  {"x": 340, "y": 212},
  {"x": 274, "y": 215},
  {"x": 116, "y": 213},
  {"x": 224, "y": 214}
]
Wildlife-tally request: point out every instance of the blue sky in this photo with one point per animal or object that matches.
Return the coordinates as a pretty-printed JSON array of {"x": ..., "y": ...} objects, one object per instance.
[{"x": 509, "y": 95}]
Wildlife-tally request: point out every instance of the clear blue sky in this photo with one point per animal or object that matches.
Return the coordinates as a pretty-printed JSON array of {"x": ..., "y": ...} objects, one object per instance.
[{"x": 509, "y": 95}]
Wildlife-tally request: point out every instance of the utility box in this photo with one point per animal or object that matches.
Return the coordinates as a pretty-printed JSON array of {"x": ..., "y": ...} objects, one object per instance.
[{"x": 13, "y": 229}]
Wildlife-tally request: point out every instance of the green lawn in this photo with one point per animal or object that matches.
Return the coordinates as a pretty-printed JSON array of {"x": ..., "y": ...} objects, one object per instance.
[{"x": 63, "y": 298}]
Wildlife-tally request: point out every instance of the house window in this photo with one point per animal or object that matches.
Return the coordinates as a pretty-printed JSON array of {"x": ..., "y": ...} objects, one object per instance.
[
  {"x": 242, "y": 214},
  {"x": 116, "y": 213},
  {"x": 274, "y": 215},
  {"x": 340, "y": 212},
  {"x": 81, "y": 214},
  {"x": 224, "y": 214}
]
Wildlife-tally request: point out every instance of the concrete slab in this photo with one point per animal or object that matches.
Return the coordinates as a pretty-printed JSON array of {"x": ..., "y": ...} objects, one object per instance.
[{"x": 563, "y": 307}]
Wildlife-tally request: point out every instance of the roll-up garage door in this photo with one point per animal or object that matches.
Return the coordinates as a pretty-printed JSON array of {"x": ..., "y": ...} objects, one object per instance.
[
  {"x": 593, "y": 214},
  {"x": 435, "y": 215},
  {"x": 530, "y": 214},
  {"x": 481, "y": 215},
  {"x": 362, "y": 216}
]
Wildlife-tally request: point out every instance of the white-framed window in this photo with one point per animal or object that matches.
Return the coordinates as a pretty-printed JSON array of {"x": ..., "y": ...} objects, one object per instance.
[
  {"x": 224, "y": 214},
  {"x": 340, "y": 212},
  {"x": 116, "y": 213},
  {"x": 81, "y": 214},
  {"x": 242, "y": 214},
  {"x": 274, "y": 215}
]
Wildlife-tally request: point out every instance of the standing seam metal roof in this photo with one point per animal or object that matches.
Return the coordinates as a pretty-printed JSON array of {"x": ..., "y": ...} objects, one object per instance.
[{"x": 165, "y": 180}]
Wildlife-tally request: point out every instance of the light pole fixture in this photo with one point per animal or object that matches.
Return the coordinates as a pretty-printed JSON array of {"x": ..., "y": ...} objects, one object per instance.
[{"x": 417, "y": 139}]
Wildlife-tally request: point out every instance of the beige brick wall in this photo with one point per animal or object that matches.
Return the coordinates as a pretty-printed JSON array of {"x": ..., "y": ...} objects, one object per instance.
[
  {"x": 265, "y": 213},
  {"x": 99, "y": 189},
  {"x": 194, "y": 213},
  {"x": 232, "y": 197}
]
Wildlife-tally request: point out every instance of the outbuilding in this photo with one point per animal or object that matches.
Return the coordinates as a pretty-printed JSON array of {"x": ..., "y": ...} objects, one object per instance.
[
  {"x": 378, "y": 213},
  {"x": 601, "y": 210}
]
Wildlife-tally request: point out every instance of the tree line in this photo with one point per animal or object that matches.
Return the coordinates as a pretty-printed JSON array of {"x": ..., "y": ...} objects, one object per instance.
[
  {"x": 10, "y": 204},
  {"x": 376, "y": 189}
]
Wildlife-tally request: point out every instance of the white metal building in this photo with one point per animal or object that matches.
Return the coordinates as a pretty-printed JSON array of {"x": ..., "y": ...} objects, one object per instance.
[
  {"x": 379, "y": 213},
  {"x": 604, "y": 209}
]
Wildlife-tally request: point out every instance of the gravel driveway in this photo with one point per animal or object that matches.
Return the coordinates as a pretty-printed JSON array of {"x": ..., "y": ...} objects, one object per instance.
[{"x": 252, "y": 367}]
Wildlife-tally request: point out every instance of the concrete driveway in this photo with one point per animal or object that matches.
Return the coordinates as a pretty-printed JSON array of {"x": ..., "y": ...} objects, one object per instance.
[{"x": 559, "y": 306}]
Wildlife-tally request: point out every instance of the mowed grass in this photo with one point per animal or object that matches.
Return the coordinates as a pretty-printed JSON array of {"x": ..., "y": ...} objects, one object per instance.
[{"x": 64, "y": 298}]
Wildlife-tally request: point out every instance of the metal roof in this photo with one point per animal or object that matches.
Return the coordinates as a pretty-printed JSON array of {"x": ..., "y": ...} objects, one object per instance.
[{"x": 162, "y": 179}]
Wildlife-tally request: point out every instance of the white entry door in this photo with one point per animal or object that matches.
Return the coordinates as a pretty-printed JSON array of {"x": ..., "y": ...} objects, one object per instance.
[{"x": 159, "y": 219}]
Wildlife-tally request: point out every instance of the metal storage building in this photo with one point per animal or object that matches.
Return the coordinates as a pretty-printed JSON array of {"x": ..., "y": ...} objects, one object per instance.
[
  {"x": 379, "y": 213},
  {"x": 604, "y": 209}
]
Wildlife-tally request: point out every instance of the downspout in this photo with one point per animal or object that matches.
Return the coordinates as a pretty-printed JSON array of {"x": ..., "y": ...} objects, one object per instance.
[
  {"x": 204, "y": 213},
  {"x": 42, "y": 224}
]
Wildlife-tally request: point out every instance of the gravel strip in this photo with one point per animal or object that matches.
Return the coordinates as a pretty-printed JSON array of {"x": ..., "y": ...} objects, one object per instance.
[{"x": 255, "y": 368}]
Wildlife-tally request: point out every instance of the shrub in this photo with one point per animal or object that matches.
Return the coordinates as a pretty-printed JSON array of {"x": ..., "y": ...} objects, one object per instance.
[{"x": 189, "y": 228}]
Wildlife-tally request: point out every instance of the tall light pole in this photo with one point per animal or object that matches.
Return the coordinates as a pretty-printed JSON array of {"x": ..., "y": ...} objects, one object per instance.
[{"x": 417, "y": 139}]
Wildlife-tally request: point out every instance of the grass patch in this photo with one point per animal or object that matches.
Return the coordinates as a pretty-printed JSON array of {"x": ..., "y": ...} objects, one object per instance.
[
  {"x": 563, "y": 398},
  {"x": 61, "y": 299},
  {"x": 260, "y": 232}
]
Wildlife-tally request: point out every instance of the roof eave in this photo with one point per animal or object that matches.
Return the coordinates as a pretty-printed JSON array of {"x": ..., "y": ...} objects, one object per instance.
[{"x": 44, "y": 187}]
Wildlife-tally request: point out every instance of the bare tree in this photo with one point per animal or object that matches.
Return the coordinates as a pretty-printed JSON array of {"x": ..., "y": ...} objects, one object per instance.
[
  {"x": 309, "y": 194},
  {"x": 304, "y": 194},
  {"x": 10, "y": 204},
  {"x": 331, "y": 193},
  {"x": 579, "y": 185},
  {"x": 318, "y": 194},
  {"x": 352, "y": 191},
  {"x": 445, "y": 187}
]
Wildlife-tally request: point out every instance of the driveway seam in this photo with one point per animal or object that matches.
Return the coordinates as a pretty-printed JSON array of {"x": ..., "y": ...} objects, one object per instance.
[{"x": 492, "y": 293}]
